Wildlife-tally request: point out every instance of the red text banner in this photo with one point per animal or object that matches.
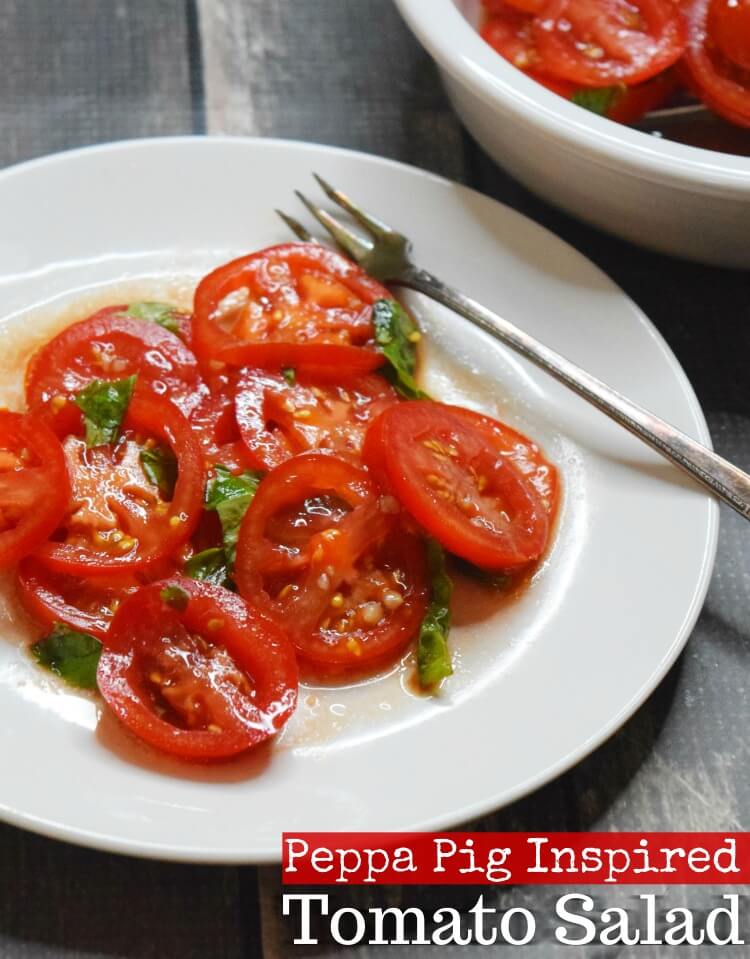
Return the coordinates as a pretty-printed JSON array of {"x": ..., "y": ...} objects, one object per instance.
[{"x": 515, "y": 858}]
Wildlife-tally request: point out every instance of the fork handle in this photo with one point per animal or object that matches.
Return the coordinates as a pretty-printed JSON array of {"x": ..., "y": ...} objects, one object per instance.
[{"x": 721, "y": 477}]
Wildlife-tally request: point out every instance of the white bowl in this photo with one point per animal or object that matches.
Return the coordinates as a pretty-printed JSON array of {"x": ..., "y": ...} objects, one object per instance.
[{"x": 667, "y": 196}]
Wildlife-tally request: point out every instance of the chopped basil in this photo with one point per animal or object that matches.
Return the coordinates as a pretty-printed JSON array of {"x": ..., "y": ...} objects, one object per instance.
[
  {"x": 597, "y": 100},
  {"x": 160, "y": 466},
  {"x": 210, "y": 566},
  {"x": 230, "y": 496},
  {"x": 69, "y": 654},
  {"x": 176, "y": 597},
  {"x": 433, "y": 656},
  {"x": 397, "y": 335},
  {"x": 104, "y": 403},
  {"x": 161, "y": 313},
  {"x": 289, "y": 375}
]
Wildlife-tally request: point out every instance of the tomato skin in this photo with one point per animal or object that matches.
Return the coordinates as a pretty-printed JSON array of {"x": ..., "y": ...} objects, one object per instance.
[
  {"x": 625, "y": 53},
  {"x": 278, "y": 419},
  {"x": 723, "y": 87},
  {"x": 39, "y": 493},
  {"x": 728, "y": 25},
  {"x": 324, "y": 360},
  {"x": 328, "y": 558},
  {"x": 213, "y": 421},
  {"x": 256, "y": 645},
  {"x": 460, "y": 486},
  {"x": 274, "y": 277},
  {"x": 162, "y": 536},
  {"x": 44, "y": 595},
  {"x": 66, "y": 364}
]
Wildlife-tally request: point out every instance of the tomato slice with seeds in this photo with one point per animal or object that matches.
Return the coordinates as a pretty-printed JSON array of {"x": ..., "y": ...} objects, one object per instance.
[
  {"x": 458, "y": 481},
  {"x": 214, "y": 423},
  {"x": 278, "y": 419},
  {"x": 321, "y": 550},
  {"x": 34, "y": 484},
  {"x": 295, "y": 294},
  {"x": 87, "y": 605},
  {"x": 118, "y": 518},
  {"x": 722, "y": 84},
  {"x": 196, "y": 672},
  {"x": 108, "y": 346},
  {"x": 598, "y": 43}
]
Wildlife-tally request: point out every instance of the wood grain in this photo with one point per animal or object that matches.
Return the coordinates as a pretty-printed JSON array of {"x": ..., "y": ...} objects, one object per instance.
[{"x": 342, "y": 72}]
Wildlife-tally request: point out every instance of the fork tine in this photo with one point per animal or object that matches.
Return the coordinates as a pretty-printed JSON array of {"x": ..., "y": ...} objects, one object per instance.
[
  {"x": 349, "y": 242},
  {"x": 296, "y": 227},
  {"x": 367, "y": 220}
]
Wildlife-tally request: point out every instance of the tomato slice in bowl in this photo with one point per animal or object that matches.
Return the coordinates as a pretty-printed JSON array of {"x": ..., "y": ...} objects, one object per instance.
[
  {"x": 322, "y": 551},
  {"x": 86, "y": 605},
  {"x": 214, "y": 423},
  {"x": 118, "y": 518},
  {"x": 460, "y": 483},
  {"x": 297, "y": 293},
  {"x": 108, "y": 346},
  {"x": 598, "y": 43},
  {"x": 721, "y": 83},
  {"x": 34, "y": 484},
  {"x": 278, "y": 419},
  {"x": 196, "y": 672}
]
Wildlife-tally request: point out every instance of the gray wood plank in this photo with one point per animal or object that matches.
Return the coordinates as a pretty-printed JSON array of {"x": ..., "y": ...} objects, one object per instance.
[
  {"x": 86, "y": 71},
  {"x": 344, "y": 72}
]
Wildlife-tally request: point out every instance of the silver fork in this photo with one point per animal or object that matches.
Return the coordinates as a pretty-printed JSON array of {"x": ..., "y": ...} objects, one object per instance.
[{"x": 385, "y": 254}]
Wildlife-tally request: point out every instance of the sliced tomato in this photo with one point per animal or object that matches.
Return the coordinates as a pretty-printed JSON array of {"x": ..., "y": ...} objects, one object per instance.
[
  {"x": 721, "y": 84},
  {"x": 108, "y": 346},
  {"x": 729, "y": 30},
  {"x": 196, "y": 672},
  {"x": 214, "y": 423},
  {"x": 324, "y": 553},
  {"x": 34, "y": 484},
  {"x": 295, "y": 294},
  {"x": 459, "y": 481},
  {"x": 87, "y": 605},
  {"x": 119, "y": 519},
  {"x": 632, "y": 103},
  {"x": 278, "y": 419},
  {"x": 599, "y": 43},
  {"x": 510, "y": 33}
]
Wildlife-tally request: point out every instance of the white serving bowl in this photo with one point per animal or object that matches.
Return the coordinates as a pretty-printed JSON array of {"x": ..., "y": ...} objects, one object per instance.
[{"x": 667, "y": 196}]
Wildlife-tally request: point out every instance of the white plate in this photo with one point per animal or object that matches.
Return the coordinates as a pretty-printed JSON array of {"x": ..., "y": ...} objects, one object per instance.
[{"x": 539, "y": 683}]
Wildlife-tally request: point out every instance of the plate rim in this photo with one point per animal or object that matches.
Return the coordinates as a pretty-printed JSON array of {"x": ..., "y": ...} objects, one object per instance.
[{"x": 265, "y": 855}]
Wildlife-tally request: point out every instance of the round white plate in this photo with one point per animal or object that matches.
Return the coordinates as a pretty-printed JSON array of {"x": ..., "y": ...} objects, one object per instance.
[{"x": 538, "y": 683}]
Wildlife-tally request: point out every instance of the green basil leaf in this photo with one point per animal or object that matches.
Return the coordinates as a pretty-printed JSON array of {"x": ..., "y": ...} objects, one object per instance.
[
  {"x": 160, "y": 466},
  {"x": 396, "y": 334},
  {"x": 433, "y": 655},
  {"x": 103, "y": 403},
  {"x": 597, "y": 100},
  {"x": 161, "y": 313},
  {"x": 289, "y": 375},
  {"x": 210, "y": 566},
  {"x": 176, "y": 597},
  {"x": 69, "y": 654},
  {"x": 230, "y": 496}
]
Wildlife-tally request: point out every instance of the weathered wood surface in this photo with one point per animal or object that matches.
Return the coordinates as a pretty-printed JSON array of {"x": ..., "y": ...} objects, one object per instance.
[{"x": 347, "y": 72}]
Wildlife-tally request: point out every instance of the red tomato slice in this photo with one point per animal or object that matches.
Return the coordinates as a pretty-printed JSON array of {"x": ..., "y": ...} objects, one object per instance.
[
  {"x": 194, "y": 671},
  {"x": 87, "y": 605},
  {"x": 278, "y": 420},
  {"x": 298, "y": 293},
  {"x": 119, "y": 519},
  {"x": 108, "y": 346},
  {"x": 722, "y": 85},
  {"x": 636, "y": 101},
  {"x": 34, "y": 484},
  {"x": 460, "y": 482},
  {"x": 729, "y": 30},
  {"x": 598, "y": 43},
  {"x": 326, "y": 555},
  {"x": 214, "y": 423},
  {"x": 509, "y": 31}
]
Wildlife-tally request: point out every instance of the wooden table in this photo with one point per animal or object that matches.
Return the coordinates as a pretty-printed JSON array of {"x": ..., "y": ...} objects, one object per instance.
[{"x": 347, "y": 72}]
